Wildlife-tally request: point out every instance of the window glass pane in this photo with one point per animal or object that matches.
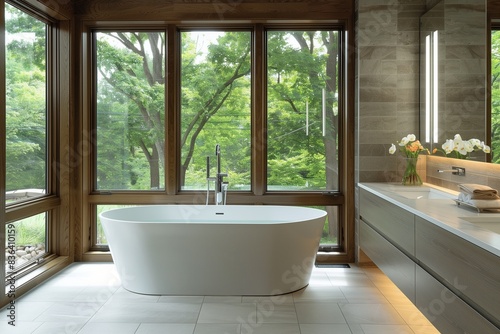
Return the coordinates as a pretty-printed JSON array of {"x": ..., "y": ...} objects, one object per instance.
[
  {"x": 26, "y": 106},
  {"x": 302, "y": 107},
  {"x": 495, "y": 96},
  {"x": 330, "y": 234},
  {"x": 215, "y": 106},
  {"x": 100, "y": 236},
  {"x": 130, "y": 110},
  {"x": 25, "y": 241}
]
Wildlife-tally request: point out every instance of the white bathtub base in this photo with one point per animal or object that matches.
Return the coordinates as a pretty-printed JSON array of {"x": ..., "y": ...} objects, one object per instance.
[{"x": 214, "y": 251}]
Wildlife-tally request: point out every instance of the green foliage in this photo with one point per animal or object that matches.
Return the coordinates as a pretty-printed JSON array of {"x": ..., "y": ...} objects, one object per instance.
[
  {"x": 495, "y": 96},
  {"x": 215, "y": 107},
  {"x": 215, "y": 104},
  {"x": 298, "y": 63},
  {"x": 31, "y": 231},
  {"x": 130, "y": 110},
  {"x": 26, "y": 150}
]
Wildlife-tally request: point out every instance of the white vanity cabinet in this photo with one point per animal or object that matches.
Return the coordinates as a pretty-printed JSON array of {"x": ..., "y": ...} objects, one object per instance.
[
  {"x": 394, "y": 223},
  {"x": 386, "y": 236},
  {"x": 471, "y": 272},
  {"x": 447, "y": 312},
  {"x": 454, "y": 282}
]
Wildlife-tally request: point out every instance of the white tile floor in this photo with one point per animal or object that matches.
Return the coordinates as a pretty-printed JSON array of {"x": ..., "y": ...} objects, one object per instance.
[{"x": 86, "y": 298}]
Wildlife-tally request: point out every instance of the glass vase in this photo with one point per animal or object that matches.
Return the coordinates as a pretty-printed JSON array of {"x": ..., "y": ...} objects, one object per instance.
[{"x": 410, "y": 175}]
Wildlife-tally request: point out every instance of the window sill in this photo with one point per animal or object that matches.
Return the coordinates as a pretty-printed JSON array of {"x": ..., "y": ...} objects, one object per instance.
[{"x": 97, "y": 256}]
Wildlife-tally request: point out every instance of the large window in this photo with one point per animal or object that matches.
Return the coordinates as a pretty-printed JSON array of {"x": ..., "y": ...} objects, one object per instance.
[
  {"x": 302, "y": 107},
  {"x": 26, "y": 106},
  {"x": 215, "y": 106},
  {"x": 269, "y": 96},
  {"x": 130, "y": 104},
  {"x": 28, "y": 171}
]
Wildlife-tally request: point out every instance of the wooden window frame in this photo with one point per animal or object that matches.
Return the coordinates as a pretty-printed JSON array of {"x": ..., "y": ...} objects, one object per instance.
[{"x": 344, "y": 198}]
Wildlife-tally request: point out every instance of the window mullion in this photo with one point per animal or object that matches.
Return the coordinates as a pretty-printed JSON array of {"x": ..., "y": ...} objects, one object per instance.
[{"x": 259, "y": 113}]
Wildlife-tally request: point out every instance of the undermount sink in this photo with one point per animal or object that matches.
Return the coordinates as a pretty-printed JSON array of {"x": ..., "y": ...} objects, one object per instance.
[
  {"x": 491, "y": 223},
  {"x": 424, "y": 193}
]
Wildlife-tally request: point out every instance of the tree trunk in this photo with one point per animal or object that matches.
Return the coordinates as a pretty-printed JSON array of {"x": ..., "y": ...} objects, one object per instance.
[{"x": 154, "y": 168}]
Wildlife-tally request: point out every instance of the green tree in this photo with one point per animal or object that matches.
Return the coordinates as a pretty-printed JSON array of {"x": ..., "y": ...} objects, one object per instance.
[
  {"x": 131, "y": 79},
  {"x": 215, "y": 106},
  {"x": 26, "y": 148},
  {"x": 495, "y": 96},
  {"x": 301, "y": 64}
]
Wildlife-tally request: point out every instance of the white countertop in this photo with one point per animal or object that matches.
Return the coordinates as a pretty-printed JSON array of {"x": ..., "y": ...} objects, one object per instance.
[{"x": 442, "y": 212}]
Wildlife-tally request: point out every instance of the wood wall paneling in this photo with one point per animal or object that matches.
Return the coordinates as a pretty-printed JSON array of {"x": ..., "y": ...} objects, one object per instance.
[{"x": 213, "y": 10}]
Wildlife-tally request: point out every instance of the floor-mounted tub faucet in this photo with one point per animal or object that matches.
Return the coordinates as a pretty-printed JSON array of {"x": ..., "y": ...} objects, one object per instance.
[{"x": 220, "y": 184}]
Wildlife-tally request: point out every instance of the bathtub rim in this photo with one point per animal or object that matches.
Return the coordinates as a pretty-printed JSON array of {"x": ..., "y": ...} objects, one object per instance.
[{"x": 318, "y": 213}]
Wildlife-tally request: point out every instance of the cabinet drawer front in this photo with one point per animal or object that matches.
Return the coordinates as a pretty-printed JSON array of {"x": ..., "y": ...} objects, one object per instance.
[
  {"x": 470, "y": 271},
  {"x": 448, "y": 313},
  {"x": 396, "y": 265},
  {"x": 393, "y": 222}
]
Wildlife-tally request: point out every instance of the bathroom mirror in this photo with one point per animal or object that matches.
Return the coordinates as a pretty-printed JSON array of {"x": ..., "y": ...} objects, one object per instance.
[{"x": 453, "y": 49}]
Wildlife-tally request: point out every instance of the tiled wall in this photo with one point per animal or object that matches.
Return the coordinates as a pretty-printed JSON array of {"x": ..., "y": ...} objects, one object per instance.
[
  {"x": 387, "y": 86},
  {"x": 475, "y": 172},
  {"x": 387, "y": 83}
]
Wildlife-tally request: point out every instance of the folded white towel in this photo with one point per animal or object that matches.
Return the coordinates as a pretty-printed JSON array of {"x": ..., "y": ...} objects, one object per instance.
[{"x": 479, "y": 191}]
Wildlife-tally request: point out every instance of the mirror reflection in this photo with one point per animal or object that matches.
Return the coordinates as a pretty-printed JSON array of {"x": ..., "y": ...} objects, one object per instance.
[
  {"x": 495, "y": 92},
  {"x": 453, "y": 73}
]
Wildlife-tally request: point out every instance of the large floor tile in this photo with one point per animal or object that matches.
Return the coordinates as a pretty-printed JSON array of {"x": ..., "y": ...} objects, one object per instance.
[
  {"x": 148, "y": 312},
  {"x": 24, "y": 311},
  {"x": 95, "y": 294},
  {"x": 273, "y": 329},
  {"x": 324, "y": 329},
  {"x": 358, "y": 279},
  {"x": 411, "y": 315},
  {"x": 276, "y": 300},
  {"x": 58, "y": 328},
  {"x": 21, "y": 327},
  {"x": 148, "y": 328},
  {"x": 319, "y": 313},
  {"x": 328, "y": 294},
  {"x": 362, "y": 294},
  {"x": 219, "y": 329},
  {"x": 109, "y": 328},
  {"x": 232, "y": 313},
  {"x": 53, "y": 293},
  {"x": 124, "y": 296},
  {"x": 268, "y": 312},
  {"x": 88, "y": 298},
  {"x": 386, "y": 329},
  {"x": 69, "y": 312},
  {"x": 380, "y": 314},
  {"x": 429, "y": 329},
  {"x": 181, "y": 299}
]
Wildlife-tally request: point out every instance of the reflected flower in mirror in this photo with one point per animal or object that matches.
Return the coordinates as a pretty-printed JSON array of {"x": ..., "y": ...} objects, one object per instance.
[{"x": 460, "y": 149}]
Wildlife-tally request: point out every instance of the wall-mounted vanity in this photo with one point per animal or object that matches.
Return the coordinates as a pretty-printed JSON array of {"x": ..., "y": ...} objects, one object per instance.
[{"x": 445, "y": 259}]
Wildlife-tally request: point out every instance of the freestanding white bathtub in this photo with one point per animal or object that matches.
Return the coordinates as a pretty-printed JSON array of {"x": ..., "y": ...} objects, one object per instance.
[{"x": 213, "y": 250}]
